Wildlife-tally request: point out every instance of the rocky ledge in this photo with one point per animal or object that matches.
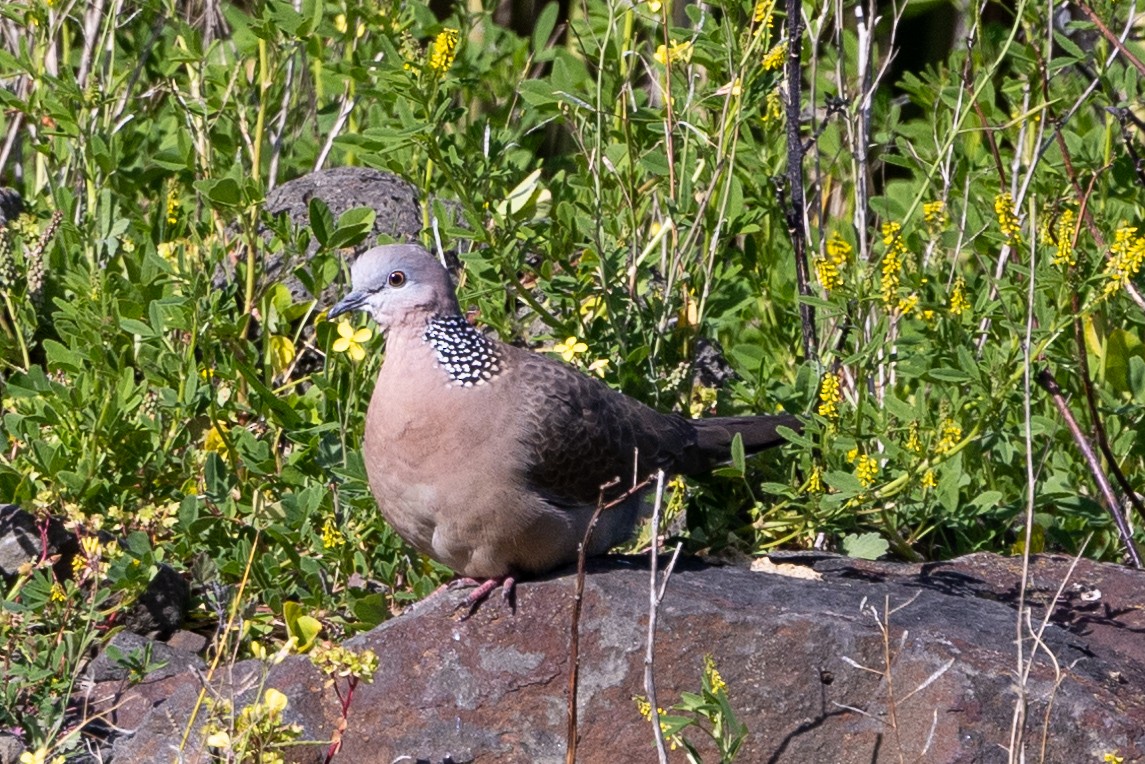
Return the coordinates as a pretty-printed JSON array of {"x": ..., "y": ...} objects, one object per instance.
[{"x": 862, "y": 662}]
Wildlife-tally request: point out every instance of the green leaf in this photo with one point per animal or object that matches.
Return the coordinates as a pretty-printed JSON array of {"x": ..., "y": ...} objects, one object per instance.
[
  {"x": 62, "y": 357},
  {"x": 869, "y": 546},
  {"x": 543, "y": 26},
  {"x": 739, "y": 460},
  {"x": 304, "y": 628},
  {"x": 222, "y": 192},
  {"x": 1137, "y": 378},
  {"x": 353, "y": 226},
  {"x": 321, "y": 221},
  {"x": 133, "y": 326}
]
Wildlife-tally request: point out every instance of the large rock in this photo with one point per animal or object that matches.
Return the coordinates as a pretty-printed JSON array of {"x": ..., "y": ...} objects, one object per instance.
[
  {"x": 809, "y": 666},
  {"x": 393, "y": 200}
]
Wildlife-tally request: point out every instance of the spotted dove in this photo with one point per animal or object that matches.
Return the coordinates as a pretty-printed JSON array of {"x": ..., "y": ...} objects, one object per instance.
[{"x": 490, "y": 458}]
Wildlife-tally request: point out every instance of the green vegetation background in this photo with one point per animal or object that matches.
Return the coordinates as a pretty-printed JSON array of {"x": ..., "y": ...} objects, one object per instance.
[{"x": 619, "y": 185}]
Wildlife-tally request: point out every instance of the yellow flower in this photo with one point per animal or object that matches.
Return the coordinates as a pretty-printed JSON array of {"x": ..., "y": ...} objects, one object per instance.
[
  {"x": 935, "y": 217},
  {"x": 775, "y": 57},
  {"x": 829, "y": 397},
  {"x": 173, "y": 206},
  {"x": 1007, "y": 218},
  {"x": 713, "y": 675},
  {"x": 443, "y": 51},
  {"x": 815, "y": 481},
  {"x": 1063, "y": 237},
  {"x": 950, "y": 432},
  {"x": 907, "y": 304},
  {"x": 570, "y": 348},
  {"x": 643, "y": 706},
  {"x": 958, "y": 302},
  {"x": 893, "y": 262},
  {"x": 215, "y": 439},
  {"x": 762, "y": 11},
  {"x": 593, "y": 307},
  {"x": 913, "y": 442},
  {"x": 928, "y": 480},
  {"x": 282, "y": 352},
  {"x": 219, "y": 739},
  {"x": 350, "y": 341},
  {"x": 679, "y": 51},
  {"x": 1109, "y": 758},
  {"x": 274, "y": 700},
  {"x": 599, "y": 367},
  {"x": 654, "y": 5},
  {"x": 39, "y": 757},
  {"x": 58, "y": 593},
  {"x": 772, "y": 107},
  {"x": 829, "y": 268},
  {"x": 867, "y": 470},
  {"x": 1126, "y": 256},
  {"x": 331, "y": 536}
]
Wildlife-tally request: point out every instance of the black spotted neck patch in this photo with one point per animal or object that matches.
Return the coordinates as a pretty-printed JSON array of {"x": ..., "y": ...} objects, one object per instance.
[{"x": 466, "y": 355}]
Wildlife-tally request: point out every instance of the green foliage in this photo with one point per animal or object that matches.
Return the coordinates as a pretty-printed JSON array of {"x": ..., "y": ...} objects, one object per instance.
[{"x": 616, "y": 193}]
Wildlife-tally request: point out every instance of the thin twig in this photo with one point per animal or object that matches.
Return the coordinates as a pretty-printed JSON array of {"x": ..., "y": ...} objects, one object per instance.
[
  {"x": 1047, "y": 381},
  {"x": 654, "y": 597},
  {"x": 574, "y": 636},
  {"x": 796, "y": 227}
]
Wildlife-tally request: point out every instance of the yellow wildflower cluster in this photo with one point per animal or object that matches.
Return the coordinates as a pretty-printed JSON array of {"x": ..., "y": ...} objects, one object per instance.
[
  {"x": 40, "y": 756},
  {"x": 173, "y": 206},
  {"x": 906, "y": 304},
  {"x": 815, "y": 481},
  {"x": 829, "y": 268},
  {"x": 216, "y": 439},
  {"x": 645, "y": 709},
  {"x": 712, "y": 675},
  {"x": 958, "y": 302},
  {"x": 772, "y": 107},
  {"x": 829, "y": 396},
  {"x": 678, "y": 52},
  {"x": 258, "y": 728},
  {"x": 775, "y": 57},
  {"x": 949, "y": 433},
  {"x": 866, "y": 470},
  {"x": 443, "y": 51},
  {"x": 1126, "y": 256},
  {"x": 94, "y": 558},
  {"x": 763, "y": 11},
  {"x": 342, "y": 661},
  {"x": 1007, "y": 218},
  {"x": 935, "y": 217},
  {"x": 893, "y": 262},
  {"x": 913, "y": 441},
  {"x": 331, "y": 536},
  {"x": 929, "y": 481},
  {"x": 1063, "y": 238}
]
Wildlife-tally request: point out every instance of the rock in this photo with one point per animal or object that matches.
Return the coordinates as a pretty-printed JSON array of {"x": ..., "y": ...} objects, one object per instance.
[
  {"x": 10, "y": 749},
  {"x": 105, "y": 667},
  {"x": 393, "y": 199},
  {"x": 162, "y": 608},
  {"x": 21, "y": 541},
  {"x": 11, "y": 205},
  {"x": 804, "y": 661},
  {"x": 120, "y": 706}
]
